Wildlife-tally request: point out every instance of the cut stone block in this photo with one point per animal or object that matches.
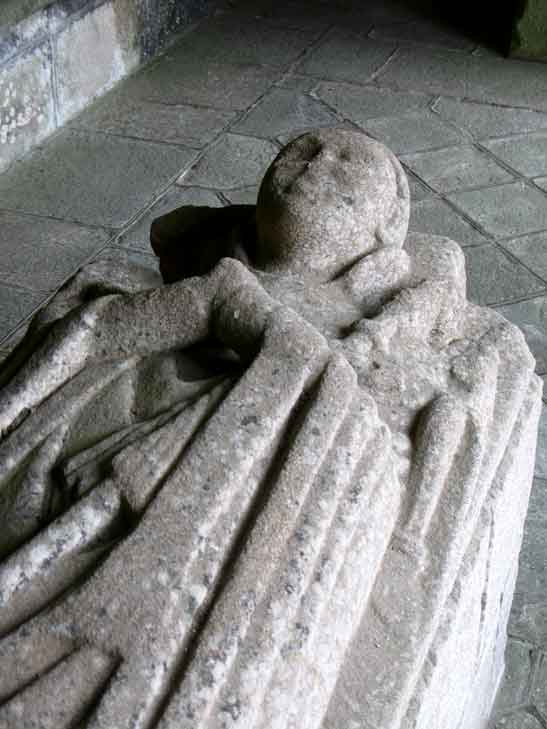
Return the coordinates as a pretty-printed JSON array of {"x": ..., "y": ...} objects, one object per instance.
[
  {"x": 525, "y": 154},
  {"x": 345, "y": 56},
  {"x": 283, "y": 112},
  {"x": 27, "y": 113},
  {"x": 485, "y": 120},
  {"x": 235, "y": 161},
  {"x": 456, "y": 168},
  {"x": 495, "y": 278},
  {"x": 40, "y": 253},
  {"x": 362, "y": 103},
  {"x": 15, "y": 305},
  {"x": 412, "y": 132},
  {"x": 505, "y": 211},
  {"x": 531, "y": 250},
  {"x": 119, "y": 176},
  {"x": 470, "y": 77},
  {"x": 438, "y": 217},
  {"x": 90, "y": 58},
  {"x": 137, "y": 236},
  {"x": 175, "y": 124},
  {"x": 286, "y": 491},
  {"x": 531, "y": 317}
]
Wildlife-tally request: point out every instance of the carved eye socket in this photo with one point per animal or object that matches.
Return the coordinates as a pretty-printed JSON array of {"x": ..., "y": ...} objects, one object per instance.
[{"x": 345, "y": 155}]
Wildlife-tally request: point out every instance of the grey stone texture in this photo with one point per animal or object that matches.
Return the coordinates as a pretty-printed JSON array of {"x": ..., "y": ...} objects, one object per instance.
[
  {"x": 494, "y": 276},
  {"x": 531, "y": 317},
  {"x": 362, "y": 103},
  {"x": 55, "y": 60},
  {"x": 16, "y": 304},
  {"x": 120, "y": 176},
  {"x": 525, "y": 154},
  {"x": 531, "y": 250},
  {"x": 27, "y": 113},
  {"x": 346, "y": 56},
  {"x": 456, "y": 168},
  {"x": 275, "y": 529},
  {"x": 412, "y": 131},
  {"x": 484, "y": 121},
  {"x": 40, "y": 253},
  {"x": 284, "y": 113},
  {"x": 469, "y": 77},
  {"x": 235, "y": 161},
  {"x": 438, "y": 217},
  {"x": 174, "y": 123},
  {"x": 137, "y": 235},
  {"x": 505, "y": 211},
  {"x": 471, "y": 89}
]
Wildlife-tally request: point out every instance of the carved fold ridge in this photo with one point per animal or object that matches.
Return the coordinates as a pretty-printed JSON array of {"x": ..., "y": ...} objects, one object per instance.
[{"x": 282, "y": 493}]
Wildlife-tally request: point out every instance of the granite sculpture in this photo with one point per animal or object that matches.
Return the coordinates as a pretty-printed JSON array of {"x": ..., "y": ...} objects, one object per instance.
[{"x": 284, "y": 490}]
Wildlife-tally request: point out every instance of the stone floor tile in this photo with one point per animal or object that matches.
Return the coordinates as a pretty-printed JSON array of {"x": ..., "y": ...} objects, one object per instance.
[
  {"x": 526, "y": 154},
  {"x": 499, "y": 81},
  {"x": 531, "y": 317},
  {"x": 455, "y": 168},
  {"x": 485, "y": 120},
  {"x": 493, "y": 277},
  {"x": 297, "y": 82},
  {"x": 120, "y": 114},
  {"x": 360, "y": 103},
  {"x": 425, "y": 32},
  {"x": 541, "y": 182},
  {"x": 233, "y": 39},
  {"x": 541, "y": 459},
  {"x": 289, "y": 15},
  {"x": 539, "y": 695},
  {"x": 242, "y": 196},
  {"x": 91, "y": 178},
  {"x": 517, "y": 679},
  {"x": 520, "y": 719},
  {"x": 15, "y": 305},
  {"x": 528, "y": 621},
  {"x": 506, "y": 210},
  {"x": 531, "y": 250},
  {"x": 346, "y": 56},
  {"x": 125, "y": 256},
  {"x": 40, "y": 253},
  {"x": 283, "y": 112},
  {"x": 220, "y": 85},
  {"x": 137, "y": 236},
  {"x": 412, "y": 132},
  {"x": 418, "y": 191},
  {"x": 439, "y": 218},
  {"x": 235, "y": 161},
  {"x": 544, "y": 378}
]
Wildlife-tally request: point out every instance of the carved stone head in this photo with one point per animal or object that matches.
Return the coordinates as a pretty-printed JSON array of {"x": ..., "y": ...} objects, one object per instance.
[{"x": 328, "y": 198}]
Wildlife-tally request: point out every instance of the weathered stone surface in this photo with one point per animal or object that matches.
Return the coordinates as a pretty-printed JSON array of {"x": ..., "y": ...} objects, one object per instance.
[
  {"x": 506, "y": 210},
  {"x": 89, "y": 58},
  {"x": 283, "y": 493},
  {"x": 526, "y": 154},
  {"x": 174, "y": 123},
  {"x": 531, "y": 250},
  {"x": 27, "y": 113},
  {"x": 438, "y": 217},
  {"x": 456, "y": 168},
  {"x": 485, "y": 120},
  {"x": 413, "y": 131},
  {"x": 494, "y": 277},
  {"x": 234, "y": 161},
  {"x": 16, "y": 304},
  {"x": 118, "y": 175},
  {"x": 531, "y": 317}
]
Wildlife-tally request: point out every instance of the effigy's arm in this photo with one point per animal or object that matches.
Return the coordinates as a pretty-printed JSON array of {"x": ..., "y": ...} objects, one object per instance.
[{"x": 120, "y": 327}]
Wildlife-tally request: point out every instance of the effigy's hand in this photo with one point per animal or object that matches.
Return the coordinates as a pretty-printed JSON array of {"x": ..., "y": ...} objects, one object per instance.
[{"x": 117, "y": 328}]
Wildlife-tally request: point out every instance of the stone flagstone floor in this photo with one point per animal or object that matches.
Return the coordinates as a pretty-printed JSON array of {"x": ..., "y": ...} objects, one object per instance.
[{"x": 200, "y": 124}]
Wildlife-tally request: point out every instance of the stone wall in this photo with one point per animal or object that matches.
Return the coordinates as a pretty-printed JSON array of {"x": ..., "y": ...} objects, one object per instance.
[
  {"x": 530, "y": 30},
  {"x": 54, "y": 61}
]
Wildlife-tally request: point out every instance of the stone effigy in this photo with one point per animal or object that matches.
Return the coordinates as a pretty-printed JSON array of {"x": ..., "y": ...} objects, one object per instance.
[{"x": 285, "y": 490}]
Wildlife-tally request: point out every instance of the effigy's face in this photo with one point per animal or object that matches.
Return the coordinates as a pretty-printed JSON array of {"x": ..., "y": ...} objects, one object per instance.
[{"x": 324, "y": 199}]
